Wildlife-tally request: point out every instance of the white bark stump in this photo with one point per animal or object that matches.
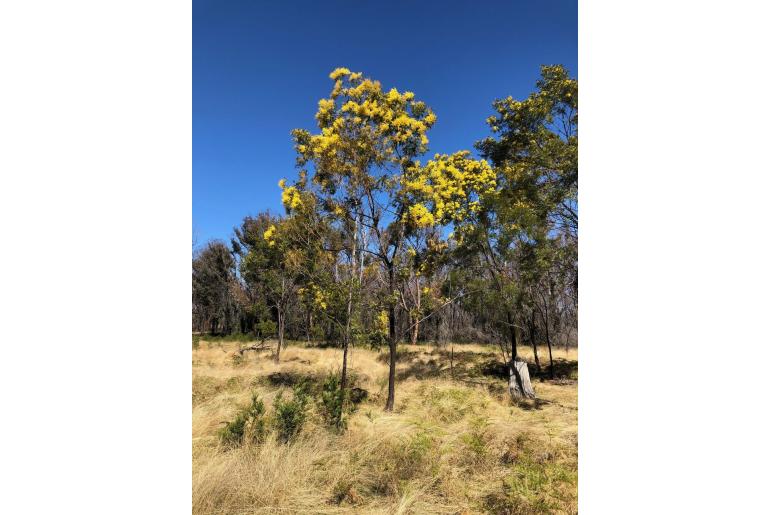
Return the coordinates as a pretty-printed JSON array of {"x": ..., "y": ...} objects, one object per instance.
[{"x": 519, "y": 384}]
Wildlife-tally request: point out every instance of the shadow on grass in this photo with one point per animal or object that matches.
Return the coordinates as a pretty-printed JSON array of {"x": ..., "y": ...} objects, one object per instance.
[
  {"x": 563, "y": 370},
  {"x": 418, "y": 369},
  {"x": 313, "y": 383}
]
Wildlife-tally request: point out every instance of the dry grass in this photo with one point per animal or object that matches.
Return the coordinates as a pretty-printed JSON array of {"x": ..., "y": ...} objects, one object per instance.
[{"x": 454, "y": 444}]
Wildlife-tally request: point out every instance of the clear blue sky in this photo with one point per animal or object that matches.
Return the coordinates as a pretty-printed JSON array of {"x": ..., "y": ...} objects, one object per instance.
[{"x": 259, "y": 69}]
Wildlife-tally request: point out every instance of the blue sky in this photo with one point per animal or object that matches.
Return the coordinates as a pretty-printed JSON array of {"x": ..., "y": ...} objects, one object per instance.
[{"x": 259, "y": 69}]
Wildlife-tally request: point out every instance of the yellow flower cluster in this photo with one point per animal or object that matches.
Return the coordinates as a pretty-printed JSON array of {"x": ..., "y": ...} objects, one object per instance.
[
  {"x": 420, "y": 216},
  {"x": 368, "y": 120},
  {"x": 291, "y": 197},
  {"x": 382, "y": 322},
  {"x": 269, "y": 235},
  {"x": 321, "y": 298},
  {"x": 452, "y": 184},
  {"x": 339, "y": 72},
  {"x": 316, "y": 295}
]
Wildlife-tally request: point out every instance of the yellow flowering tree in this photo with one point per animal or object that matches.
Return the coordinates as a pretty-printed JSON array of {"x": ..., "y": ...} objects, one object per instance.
[{"x": 353, "y": 166}]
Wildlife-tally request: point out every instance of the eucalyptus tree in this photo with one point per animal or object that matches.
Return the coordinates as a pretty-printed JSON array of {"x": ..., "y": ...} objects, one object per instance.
[{"x": 213, "y": 282}]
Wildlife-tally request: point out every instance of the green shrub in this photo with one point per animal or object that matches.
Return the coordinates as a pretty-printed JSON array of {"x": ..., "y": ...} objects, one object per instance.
[
  {"x": 247, "y": 426},
  {"x": 290, "y": 415},
  {"x": 266, "y": 329},
  {"x": 332, "y": 402},
  {"x": 196, "y": 341}
]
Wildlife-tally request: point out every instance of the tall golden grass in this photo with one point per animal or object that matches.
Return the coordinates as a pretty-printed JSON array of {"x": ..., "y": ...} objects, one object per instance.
[{"x": 455, "y": 443}]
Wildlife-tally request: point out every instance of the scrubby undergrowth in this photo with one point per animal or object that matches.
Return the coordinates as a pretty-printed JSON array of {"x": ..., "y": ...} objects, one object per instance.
[{"x": 454, "y": 444}]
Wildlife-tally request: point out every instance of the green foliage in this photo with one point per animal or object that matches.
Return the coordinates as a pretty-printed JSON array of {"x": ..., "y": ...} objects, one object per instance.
[
  {"x": 232, "y": 338},
  {"x": 332, "y": 402},
  {"x": 248, "y": 426},
  {"x": 213, "y": 277},
  {"x": 290, "y": 415},
  {"x": 265, "y": 328},
  {"x": 533, "y": 487},
  {"x": 196, "y": 341}
]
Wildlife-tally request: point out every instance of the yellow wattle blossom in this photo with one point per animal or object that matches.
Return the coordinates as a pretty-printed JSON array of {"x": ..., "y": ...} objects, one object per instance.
[
  {"x": 339, "y": 72},
  {"x": 382, "y": 322},
  {"x": 425, "y": 290},
  {"x": 282, "y": 183},
  {"x": 420, "y": 215},
  {"x": 291, "y": 198},
  {"x": 451, "y": 184},
  {"x": 269, "y": 236},
  {"x": 320, "y": 297}
]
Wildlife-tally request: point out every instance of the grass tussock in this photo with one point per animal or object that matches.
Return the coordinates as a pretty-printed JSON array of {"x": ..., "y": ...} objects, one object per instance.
[{"x": 454, "y": 444}]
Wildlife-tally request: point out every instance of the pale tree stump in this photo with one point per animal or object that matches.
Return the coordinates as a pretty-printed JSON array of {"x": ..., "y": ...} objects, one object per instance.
[{"x": 519, "y": 384}]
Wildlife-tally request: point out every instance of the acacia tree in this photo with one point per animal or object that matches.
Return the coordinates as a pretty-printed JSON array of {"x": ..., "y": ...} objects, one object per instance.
[{"x": 368, "y": 139}]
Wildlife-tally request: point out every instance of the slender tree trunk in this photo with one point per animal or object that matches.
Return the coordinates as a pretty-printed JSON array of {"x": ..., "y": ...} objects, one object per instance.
[
  {"x": 544, "y": 316},
  {"x": 391, "y": 341},
  {"x": 548, "y": 340},
  {"x": 519, "y": 384},
  {"x": 513, "y": 336},
  {"x": 416, "y": 328},
  {"x": 280, "y": 335},
  {"x": 534, "y": 344},
  {"x": 344, "y": 374},
  {"x": 345, "y": 344}
]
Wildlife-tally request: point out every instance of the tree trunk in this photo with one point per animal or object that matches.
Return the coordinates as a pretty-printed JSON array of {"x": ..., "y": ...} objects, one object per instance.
[
  {"x": 513, "y": 335},
  {"x": 534, "y": 344},
  {"x": 392, "y": 344},
  {"x": 280, "y": 335},
  {"x": 550, "y": 352},
  {"x": 344, "y": 374},
  {"x": 416, "y": 328},
  {"x": 519, "y": 384},
  {"x": 548, "y": 339}
]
